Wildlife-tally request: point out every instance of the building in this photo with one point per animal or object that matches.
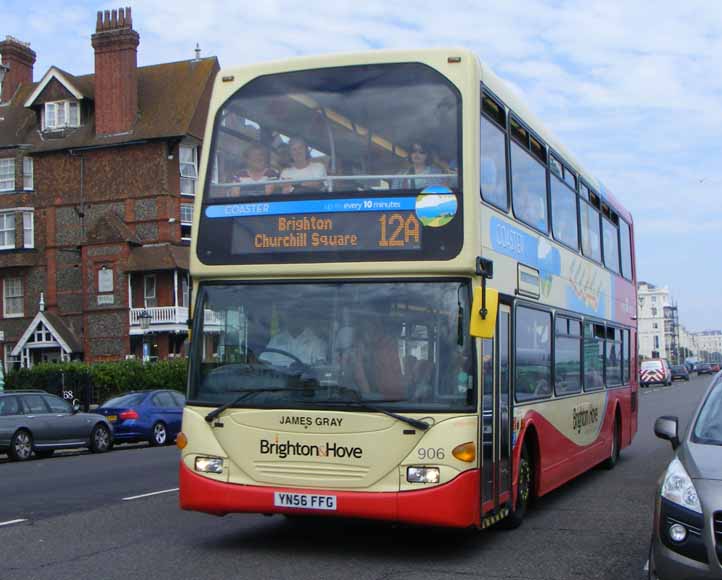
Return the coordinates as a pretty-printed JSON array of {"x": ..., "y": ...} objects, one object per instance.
[
  {"x": 688, "y": 343},
  {"x": 709, "y": 343},
  {"x": 658, "y": 323},
  {"x": 97, "y": 180}
]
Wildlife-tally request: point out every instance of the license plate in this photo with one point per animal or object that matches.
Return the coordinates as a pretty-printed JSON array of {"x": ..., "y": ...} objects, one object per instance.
[
  {"x": 306, "y": 501},
  {"x": 112, "y": 417}
]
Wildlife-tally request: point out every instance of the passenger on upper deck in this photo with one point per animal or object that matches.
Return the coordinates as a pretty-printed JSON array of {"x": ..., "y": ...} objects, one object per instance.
[
  {"x": 257, "y": 170},
  {"x": 303, "y": 169},
  {"x": 420, "y": 157}
]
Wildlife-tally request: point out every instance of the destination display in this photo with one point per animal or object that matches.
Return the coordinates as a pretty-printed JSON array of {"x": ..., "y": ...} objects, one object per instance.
[
  {"x": 347, "y": 226},
  {"x": 371, "y": 231}
]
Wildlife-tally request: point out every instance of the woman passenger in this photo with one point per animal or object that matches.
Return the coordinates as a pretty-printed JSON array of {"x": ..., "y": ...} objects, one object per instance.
[
  {"x": 420, "y": 159},
  {"x": 303, "y": 168}
]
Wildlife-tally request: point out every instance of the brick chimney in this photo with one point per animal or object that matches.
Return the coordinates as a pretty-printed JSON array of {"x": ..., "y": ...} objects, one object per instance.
[
  {"x": 116, "y": 72},
  {"x": 20, "y": 59}
]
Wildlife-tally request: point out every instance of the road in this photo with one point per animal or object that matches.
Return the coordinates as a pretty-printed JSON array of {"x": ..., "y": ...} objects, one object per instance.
[{"x": 80, "y": 523}]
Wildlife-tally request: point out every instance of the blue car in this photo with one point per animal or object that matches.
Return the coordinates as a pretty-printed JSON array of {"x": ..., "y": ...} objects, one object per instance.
[{"x": 153, "y": 416}]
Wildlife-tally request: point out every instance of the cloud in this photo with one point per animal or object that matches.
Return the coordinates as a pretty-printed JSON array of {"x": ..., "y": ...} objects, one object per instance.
[{"x": 633, "y": 90}]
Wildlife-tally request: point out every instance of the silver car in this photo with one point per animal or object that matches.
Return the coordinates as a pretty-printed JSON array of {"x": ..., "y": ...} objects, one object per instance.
[
  {"x": 687, "y": 537},
  {"x": 35, "y": 421}
]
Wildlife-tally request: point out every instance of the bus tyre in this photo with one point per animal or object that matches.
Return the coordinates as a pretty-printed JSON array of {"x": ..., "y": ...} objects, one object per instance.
[
  {"x": 525, "y": 485},
  {"x": 611, "y": 461}
]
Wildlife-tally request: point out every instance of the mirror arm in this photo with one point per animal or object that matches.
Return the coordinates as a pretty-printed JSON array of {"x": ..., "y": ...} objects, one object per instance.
[{"x": 485, "y": 269}]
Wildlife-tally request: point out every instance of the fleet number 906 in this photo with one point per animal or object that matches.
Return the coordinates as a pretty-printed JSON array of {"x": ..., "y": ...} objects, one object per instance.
[{"x": 431, "y": 453}]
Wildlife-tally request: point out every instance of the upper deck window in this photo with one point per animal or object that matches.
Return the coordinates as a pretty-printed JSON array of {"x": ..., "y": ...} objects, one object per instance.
[
  {"x": 493, "y": 164},
  {"x": 337, "y": 164},
  {"x": 377, "y": 127}
]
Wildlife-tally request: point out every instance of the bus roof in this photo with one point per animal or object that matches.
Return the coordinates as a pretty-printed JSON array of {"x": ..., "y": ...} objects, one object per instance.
[{"x": 498, "y": 86}]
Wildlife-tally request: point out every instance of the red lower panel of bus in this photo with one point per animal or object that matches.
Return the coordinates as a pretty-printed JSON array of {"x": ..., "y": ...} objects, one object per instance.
[{"x": 453, "y": 504}]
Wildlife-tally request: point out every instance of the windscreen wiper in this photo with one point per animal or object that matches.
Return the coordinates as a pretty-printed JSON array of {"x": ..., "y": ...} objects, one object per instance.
[
  {"x": 245, "y": 394},
  {"x": 421, "y": 425}
]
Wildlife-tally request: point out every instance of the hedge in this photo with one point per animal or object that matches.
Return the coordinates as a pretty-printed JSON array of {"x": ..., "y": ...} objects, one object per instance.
[{"x": 95, "y": 383}]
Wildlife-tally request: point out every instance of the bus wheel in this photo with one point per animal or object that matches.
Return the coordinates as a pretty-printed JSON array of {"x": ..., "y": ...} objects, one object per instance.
[
  {"x": 611, "y": 461},
  {"x": 525, "y": 485}
]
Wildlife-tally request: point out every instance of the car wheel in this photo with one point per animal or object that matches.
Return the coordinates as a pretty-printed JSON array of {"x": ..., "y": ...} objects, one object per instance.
[
  {"x": 525, "y": 487},
  {"x": 100, "y": 439},
  {"x": 611, "y": 461},
  {"x": 44, "y": 453},
  {"x": 160, "y": 435},
  {"x": 21, "y": 445}
]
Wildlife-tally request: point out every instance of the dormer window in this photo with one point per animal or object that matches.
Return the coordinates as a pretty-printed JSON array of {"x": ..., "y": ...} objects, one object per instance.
[{"x": 61, "y": 114}]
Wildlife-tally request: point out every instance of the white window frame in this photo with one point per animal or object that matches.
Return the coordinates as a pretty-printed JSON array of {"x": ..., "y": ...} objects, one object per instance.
[
  {"x": 10, "y": 293},
  {"x": 185, "y": 291},
  {"x": 7, "y": 178},
  {"x": 28, "y": 229},
  {"x": 56, "y": 114},
  {"x": 28, "y": 174},
  {"x": 147, "y": 297},
  {"x": 105, "y": 279},
  {"x": 187, "y": 209},
  {"x": 188, "y": 168},
  {"x": 5, "y": 218}
]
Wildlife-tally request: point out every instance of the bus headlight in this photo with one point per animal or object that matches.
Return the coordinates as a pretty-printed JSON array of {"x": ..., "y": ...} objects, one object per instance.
[
  {"x": 209, "y": 464},
  {"x": 423, "y": 474}
]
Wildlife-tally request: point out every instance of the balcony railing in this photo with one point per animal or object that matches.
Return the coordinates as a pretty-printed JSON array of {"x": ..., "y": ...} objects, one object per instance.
[
  {"x": 160, "y": 315},
  {"x": 172, "y": 315}
]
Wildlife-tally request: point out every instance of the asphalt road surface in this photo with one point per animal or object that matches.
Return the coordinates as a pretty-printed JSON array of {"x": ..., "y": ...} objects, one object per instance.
[{"x": 84, "y": 516}]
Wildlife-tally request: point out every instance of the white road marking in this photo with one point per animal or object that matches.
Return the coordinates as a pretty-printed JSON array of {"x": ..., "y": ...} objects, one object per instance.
[
  {"x": 12, "y": 522},
  {"x": 646, "y": 567},
  {"x": 149, "y": 494}
]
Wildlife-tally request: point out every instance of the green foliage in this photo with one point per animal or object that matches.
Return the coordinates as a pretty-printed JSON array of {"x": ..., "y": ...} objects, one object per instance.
[{"x": 101, "y": 381}]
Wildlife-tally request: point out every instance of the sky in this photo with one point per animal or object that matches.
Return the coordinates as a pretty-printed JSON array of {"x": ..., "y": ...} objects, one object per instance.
[{"x": 633, "y": 89}]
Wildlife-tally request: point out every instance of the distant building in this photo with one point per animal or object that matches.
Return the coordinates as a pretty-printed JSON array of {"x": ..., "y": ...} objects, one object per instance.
[
  {"x": 97, "y": 180},
  {"x": 688, "y": 343},
  {"x": 658, "y": 323},
  {"x": 710, "y": 345}
]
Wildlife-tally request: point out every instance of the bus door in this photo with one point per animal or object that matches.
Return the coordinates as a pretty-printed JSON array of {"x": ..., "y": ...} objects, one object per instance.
[{"x": 495, "y": 436}]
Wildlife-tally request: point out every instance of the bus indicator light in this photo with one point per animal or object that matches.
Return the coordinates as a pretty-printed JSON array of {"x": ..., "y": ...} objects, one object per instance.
[
  {"x": 465, "y": 452},
  {"x": 181, "y": 440}
]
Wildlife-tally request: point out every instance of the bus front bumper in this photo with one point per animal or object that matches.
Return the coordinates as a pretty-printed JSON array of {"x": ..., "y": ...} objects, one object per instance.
[{"x": 453, "y": 504}]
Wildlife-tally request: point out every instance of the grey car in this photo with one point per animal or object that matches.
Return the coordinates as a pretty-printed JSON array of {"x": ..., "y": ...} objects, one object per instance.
[
  {"x": 36, "y": 421},
  {"x": 687, "y": 537}
]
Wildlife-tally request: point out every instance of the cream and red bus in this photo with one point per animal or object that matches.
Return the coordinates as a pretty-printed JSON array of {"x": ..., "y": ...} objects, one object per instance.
[{"x": 411, "y": 303}]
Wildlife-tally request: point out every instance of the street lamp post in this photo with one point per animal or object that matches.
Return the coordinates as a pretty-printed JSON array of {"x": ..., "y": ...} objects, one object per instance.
[{"x": 144, "y": 318}]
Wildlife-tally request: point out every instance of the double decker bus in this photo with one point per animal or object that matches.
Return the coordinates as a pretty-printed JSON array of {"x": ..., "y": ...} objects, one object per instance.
[{"x": 410, "y": 302}]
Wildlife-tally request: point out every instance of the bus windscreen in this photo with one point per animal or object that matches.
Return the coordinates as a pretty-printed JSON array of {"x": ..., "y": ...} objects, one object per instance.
[
  {"x": 309, "y": 345},
  {"x": 339, "y": 164}
]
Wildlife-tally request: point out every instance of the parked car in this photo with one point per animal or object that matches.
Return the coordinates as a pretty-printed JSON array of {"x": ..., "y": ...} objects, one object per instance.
[
  {"x": 714, "y": 367},
  {"x": 679, "y": 372},
  {"x": 153, "y": 416},
  {"x": 655, "y": 370},
  {"x": 704, "y": 368},
  {"x": 33, "y": 421},
  {"x": 687, "y": 536}
]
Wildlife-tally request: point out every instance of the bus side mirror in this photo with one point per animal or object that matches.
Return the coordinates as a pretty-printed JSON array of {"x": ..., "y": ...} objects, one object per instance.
[{"x": 484, "y": 326}]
